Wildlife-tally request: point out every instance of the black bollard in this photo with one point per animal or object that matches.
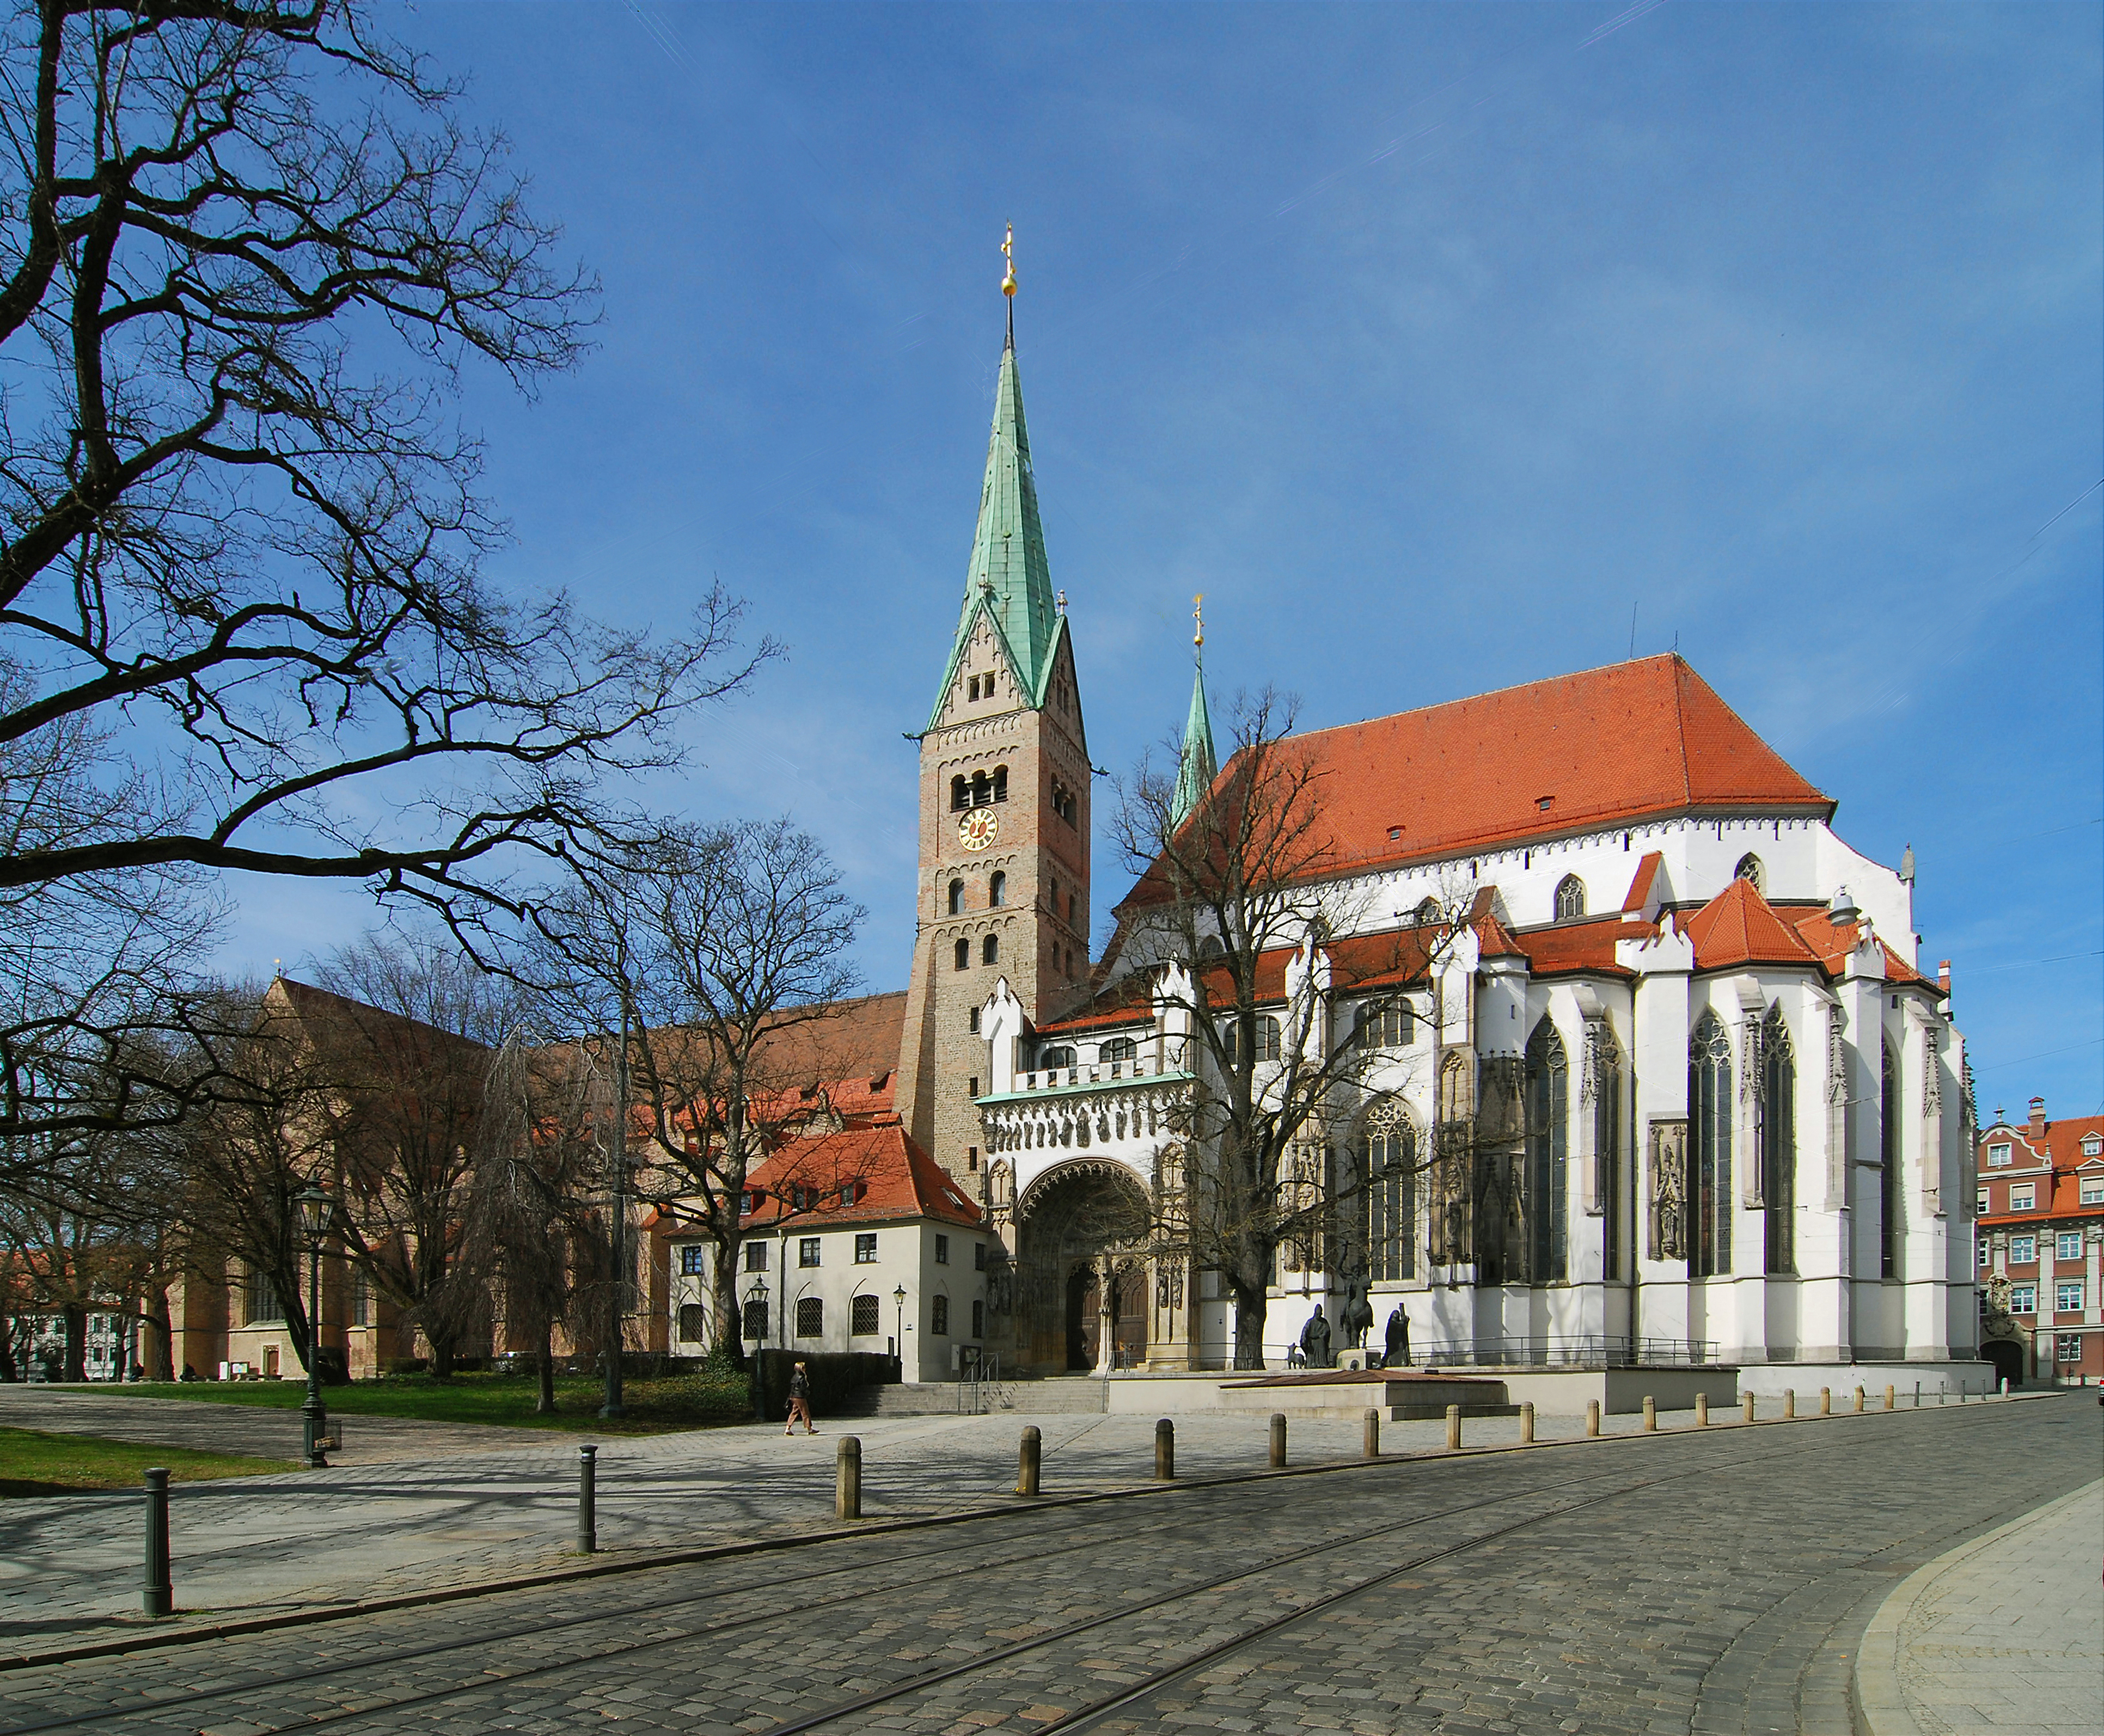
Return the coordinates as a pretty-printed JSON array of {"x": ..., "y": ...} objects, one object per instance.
[
  {"x": 587, "y": 1499},
  {"x": 1165, "y": 1451},
  {"x": 160, "y": 1592}
]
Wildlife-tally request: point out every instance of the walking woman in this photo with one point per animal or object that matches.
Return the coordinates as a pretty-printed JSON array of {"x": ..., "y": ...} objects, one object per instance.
[{"x": 799, "y": 1400}]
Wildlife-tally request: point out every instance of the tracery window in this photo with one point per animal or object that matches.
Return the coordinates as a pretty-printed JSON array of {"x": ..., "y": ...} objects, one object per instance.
[
  {"x": 1569, "y": 898},
  {"x": 1548, "y": 1146},
  {"x": 1778, "y": 1138},
  {"x": 1386, "y": 1158},
  {"x": 1749, "y": 869},
  {"x": 1709, "y": 1162},
  {"x": 1888, "y": 1171}
]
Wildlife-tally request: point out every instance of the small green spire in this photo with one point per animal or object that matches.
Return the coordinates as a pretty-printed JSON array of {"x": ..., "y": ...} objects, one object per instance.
[
  {"x": 1196, "y": 766},
  {"x": 1009, "y": 577}
]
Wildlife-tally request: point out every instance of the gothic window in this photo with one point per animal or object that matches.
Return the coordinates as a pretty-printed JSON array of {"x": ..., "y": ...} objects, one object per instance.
[
  {"x": 963, "y": 955},
  {"x": 1778, "y": 1137},
  {"x": 1384, "y": 1025},
  {"x": 957, "y": 897},
  {"x": 1888, "y": 1172},
  {"x": 1427, "y": 912},
  {"x": 1548, "y": 1142},
  {"x": 1710, "y": 1166},
  {"x": 1000, "y": 783},
  {"x": 810, "y": 1317},
  {"x": 866, "y": 1316},
  {"x": 990, "y": 949},
  {"x": 262, "y": 1303},
  {"x": 939, "y": 1316},
  {"x": 1607, "y": 1142},
  {"x": 1387, "y": 1160},
  {"x": 1060, "y": 1055},
  {"x": 998, "y": 890},
  {"x": 960, "y": 793},
  {"x": 1210, "y": 947},
  {"x": 1118, "y": 1048},
  {"x": 1569, "y": 898},
  {"x": 1749, "y": 869}
]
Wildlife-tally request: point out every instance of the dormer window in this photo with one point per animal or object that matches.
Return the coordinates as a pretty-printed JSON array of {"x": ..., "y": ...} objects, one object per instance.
[{"x": 2092, "y": 1146}]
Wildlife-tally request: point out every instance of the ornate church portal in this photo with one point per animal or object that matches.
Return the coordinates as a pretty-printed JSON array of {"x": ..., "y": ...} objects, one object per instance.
[{"x": 1081, "y": 1269}]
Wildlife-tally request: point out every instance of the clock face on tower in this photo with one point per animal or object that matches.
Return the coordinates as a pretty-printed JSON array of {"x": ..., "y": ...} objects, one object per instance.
[{"x": 978, "y": 829}]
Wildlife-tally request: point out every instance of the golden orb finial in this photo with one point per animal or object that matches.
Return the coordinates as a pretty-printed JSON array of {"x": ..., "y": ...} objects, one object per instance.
[
  {"x": 1008, "y": 258},
  {"x": 1198, "y": 617}
]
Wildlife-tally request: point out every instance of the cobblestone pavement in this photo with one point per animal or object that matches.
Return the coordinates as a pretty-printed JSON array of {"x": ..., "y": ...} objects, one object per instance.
[
  {"x": 2005, "y": 1632},
  {"x": 1714, "y": 1581},
  {"x": 264, "y": 1430}
]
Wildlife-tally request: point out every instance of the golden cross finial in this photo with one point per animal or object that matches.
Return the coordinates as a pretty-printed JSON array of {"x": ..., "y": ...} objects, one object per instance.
[
  {"x": 1008, "y": 261},
  {"x": 1198, "y": 616}
]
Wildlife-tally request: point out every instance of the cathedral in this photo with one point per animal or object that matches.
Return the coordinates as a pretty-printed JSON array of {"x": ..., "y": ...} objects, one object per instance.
[{"x": 1717, "y": 1110}]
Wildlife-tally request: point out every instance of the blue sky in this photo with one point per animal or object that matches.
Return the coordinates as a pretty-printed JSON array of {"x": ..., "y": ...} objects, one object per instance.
[{"x": 1428, "y": 342}]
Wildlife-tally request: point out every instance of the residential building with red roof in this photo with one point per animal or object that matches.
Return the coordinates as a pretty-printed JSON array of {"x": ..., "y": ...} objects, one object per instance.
[{"x": 2041, "y": 1251}]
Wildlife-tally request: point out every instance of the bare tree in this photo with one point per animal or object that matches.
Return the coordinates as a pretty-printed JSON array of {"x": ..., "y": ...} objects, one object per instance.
[
  {"x": 247, "y": 250},
  {"x": 725, "y": 953},
  {"x": 1241, "y": 897}
]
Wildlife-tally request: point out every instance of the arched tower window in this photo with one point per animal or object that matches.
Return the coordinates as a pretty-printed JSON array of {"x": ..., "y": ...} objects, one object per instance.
[
  {"x": 1749, "y": 869},
  {"x": 963, "y": 955},
  {"x": 1569, "y": 898},
  {"x": 990, "y": 950},
  {"x": 1386, "y": 1159},
  {"x": 1548, "y": 1146},
  {"x": 957, "y": 897},
  {"x": 1709, "y": 1155},
  {"x": 1889, "y": 1172},
  {"x": 982, "y": 790},
  {"x": 1778, "y": 1137},
  {"x": 998, "y": 890},
  {"x": 1000, "y": 783},
  {"x": 960, "y": 793}
]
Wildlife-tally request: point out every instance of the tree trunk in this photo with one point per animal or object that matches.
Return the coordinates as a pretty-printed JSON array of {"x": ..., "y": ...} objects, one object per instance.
[
  {"x": 76, "y": 1341},
  {"x": 730, "y": 1327},
  {"x": 544, "y": 1369},
  {"x": 442, "y": 1359}
]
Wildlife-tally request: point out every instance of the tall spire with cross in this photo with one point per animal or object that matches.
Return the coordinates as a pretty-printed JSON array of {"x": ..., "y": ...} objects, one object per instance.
[{"x": 1196, "y": 766}]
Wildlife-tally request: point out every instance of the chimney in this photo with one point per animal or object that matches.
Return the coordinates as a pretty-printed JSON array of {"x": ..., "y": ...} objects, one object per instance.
[
  {"x": 2038, "y": 1118},
  {"x": 1943, "y": 978}
]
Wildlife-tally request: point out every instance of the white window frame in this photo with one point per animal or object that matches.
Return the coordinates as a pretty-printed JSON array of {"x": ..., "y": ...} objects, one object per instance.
[
  {"x": 2063, "y": 1289},
  {"x": 2023, "y": 1250},
  {"x": 2023, "y": 1298},
  {"x": 1999, "y": 1157},
  {"x": 2024, "y": 1197},
  {"x": 2067, "y": 1244}
]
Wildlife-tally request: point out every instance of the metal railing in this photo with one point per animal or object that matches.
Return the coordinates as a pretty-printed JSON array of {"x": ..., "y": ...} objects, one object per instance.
[
  {"x": 975, "y": 1382},
  {"x": 1578, "y": 1351}
]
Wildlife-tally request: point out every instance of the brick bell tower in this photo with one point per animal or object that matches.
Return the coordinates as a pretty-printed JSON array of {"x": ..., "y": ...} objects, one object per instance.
[{"x": 1003, "y": 890}]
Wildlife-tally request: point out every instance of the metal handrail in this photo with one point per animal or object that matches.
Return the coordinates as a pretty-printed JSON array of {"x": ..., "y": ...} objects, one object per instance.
[{"x": 1578, "y": 1351}]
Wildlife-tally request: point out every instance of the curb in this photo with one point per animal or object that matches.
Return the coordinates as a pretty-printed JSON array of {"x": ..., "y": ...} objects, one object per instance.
[
  {"x": 162, "y": 1638},
  {"x": 1875, "y": 1694}
]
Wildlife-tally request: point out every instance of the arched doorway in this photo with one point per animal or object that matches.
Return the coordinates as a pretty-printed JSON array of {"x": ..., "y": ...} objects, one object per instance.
[
  {"x": 2007, "y": 1357},
  {"x": 1081, "y": 1234}
]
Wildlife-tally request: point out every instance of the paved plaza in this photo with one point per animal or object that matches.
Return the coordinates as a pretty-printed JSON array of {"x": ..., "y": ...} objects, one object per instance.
[{"x": 1710, "y": 1582}]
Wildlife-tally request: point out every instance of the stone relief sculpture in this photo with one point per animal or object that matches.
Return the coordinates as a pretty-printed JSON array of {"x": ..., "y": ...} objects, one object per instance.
[{"x": 1667, "y": 1168}]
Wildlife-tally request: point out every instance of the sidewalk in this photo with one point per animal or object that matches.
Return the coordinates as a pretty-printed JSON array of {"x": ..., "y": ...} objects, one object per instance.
[{"x": 2004, "y": 1633}]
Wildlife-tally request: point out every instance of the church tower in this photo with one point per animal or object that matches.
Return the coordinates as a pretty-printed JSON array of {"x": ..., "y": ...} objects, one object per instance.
[{"x": 1004, "y": 888}]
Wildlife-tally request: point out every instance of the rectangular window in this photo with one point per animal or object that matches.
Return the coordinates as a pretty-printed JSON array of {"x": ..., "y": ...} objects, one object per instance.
[
  {"x": 974, "y": 1016},
  {"x": 971, "y": 1160},
  {"x": 2023, "y": 1197},
  {"x": 2023, "y": 1298},
  {"x": 979, "y": 1257},
  {"x": 694, "y": 1259},
  {"x": 865, "y": 1318},
  {"x": 1980, "y": 1202},
  {"x": 1998, "y": 1156},
  {"x": 2023, "y": 1250},
  {"x": 810, "y": 1317},
  {"x": 866, "y": 1248},
  {"x": 2067, "y": 1347},
  {"x": 939, "y": 1317},
  {"x": 2067, "y": 1245},
  {"x": 753, "y": 1324},
  {"x": 755, "y": 1257},
  {"x": 971, "y": 1088},
  {"x": 1985, "y": 1254},
  {"x": 978, "y": 1319},
  {"x": 262, "y": 1299},
  {"x": 2067, "y": 1296},
  {"x": 807, "y": 1250},
  {"x": 942, "y": 1250},
  {"x": 1387, "y": 1025},
  {"x": 2092, "y": 1190}
]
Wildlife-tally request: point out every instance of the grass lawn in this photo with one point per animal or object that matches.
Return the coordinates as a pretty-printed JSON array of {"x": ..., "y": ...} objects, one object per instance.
[
  {"x": 35, "y": 1463},
  {"x": 505, "y": 1400}
]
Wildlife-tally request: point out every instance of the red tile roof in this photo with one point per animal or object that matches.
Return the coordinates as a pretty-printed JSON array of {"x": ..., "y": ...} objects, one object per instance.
[
  {"x": 1740, "y": 927},
  {"x": 2061, "y": 1143},
  {"x": 1603, "y": 748},
  {"x": 1834, "y": 942},
  {"x": 1648, "y": 873},
  {"x": 891, "y": 1176},
  {"x": 1586, "y": 948}
]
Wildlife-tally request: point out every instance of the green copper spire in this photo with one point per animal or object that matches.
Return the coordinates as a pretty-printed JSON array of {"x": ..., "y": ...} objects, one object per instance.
[
  {"x": 1010, "y": 578},
  {"x": 1196, "y": 767}
]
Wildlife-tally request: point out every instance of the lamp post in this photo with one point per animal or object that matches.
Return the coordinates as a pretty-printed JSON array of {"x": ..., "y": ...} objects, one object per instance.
[
  {"x": 757, "y": 1293},
  {"x": 316, "y": 1208},
  {"x": 899, "y": 1322}
]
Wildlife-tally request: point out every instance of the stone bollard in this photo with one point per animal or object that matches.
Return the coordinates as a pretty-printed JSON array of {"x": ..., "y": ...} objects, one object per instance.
[
  {"x": 2005, "y": 1386},
  {"x": 1702, "y": 1410},
  {"x": 1939, "y": 1398},
  {"x": 1453, "y": 1428},
  {"x": 1788, "y": 1404},
  {"x": 1747, "y": 1407},
  {"x": 1369, "y": 1445},
  {"x": 1279, "y": 1440},
  {"x": 159, "y": 1595},
  {"x": 1891, "y": 1398},
  {"x": 1650, "y": 1414},
  {"x": 587, "y": 1499},
  {"x": 847, "y": 1478},
  {"x": 1592, "y": 1419},
  {"x": 1165, "y": 1451},
  {"x": 1858, "y": 1401},
  {"x": 1026, "y": 1470},
  {"x": 1527, "y": 1425},
  {"x": 1917, "y": 1395},
  {"x": 1825, "y": 1401}
]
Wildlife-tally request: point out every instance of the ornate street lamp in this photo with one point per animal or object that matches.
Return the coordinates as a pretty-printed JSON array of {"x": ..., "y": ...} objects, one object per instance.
[
  {"x": 316, "y": 1208},
  {"x": 899, "y": 1325}
]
